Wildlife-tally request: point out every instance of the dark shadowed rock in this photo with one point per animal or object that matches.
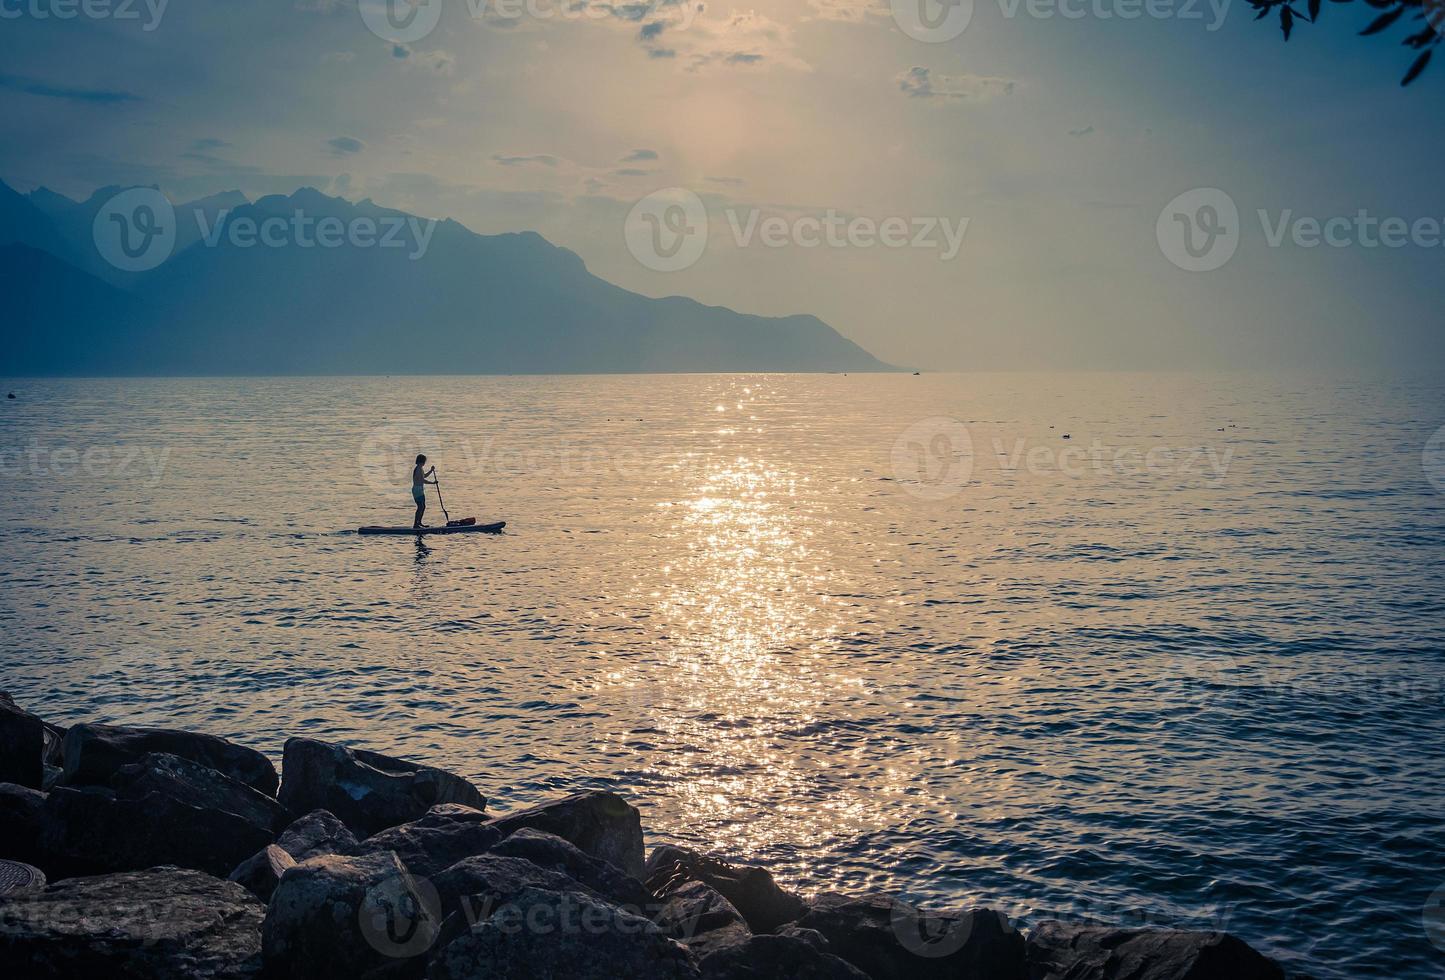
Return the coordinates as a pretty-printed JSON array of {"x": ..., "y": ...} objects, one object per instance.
[
  {"x": 435, "y": 842},
  {"x": 697, "y": 916},
  {"x": 891, "y": 940},
  {"x": 92, "y": 831},
  {"x": 340, "y": 917},
  {"x": 601, "y": 824},
  {"x": 316, "y": 833},
  {"x": 367, "y": 791},
  {"x": 22, "y": 811},
  {"x": 94, "y": 753},
  {"x": 562, "y": 934},
  {"x": 812, "y": 937},
  {"x": 553, "y": 853},
  {"x": 261, "y": 872},
  {"x": 752, "y": 891},
  {"x": 479, "y": 885},
  {"x": 162, "y": 924},
  {"x": 767, "y": 957},
  {"x": 22, "y": 745},
  {"x": 1059, "y": 951},
  {"x": 198, "y": 785}
]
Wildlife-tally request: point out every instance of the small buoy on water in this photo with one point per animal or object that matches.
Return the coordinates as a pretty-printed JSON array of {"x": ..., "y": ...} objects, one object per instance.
[
  {"x": 1067, "y": 436},
  {"x": 11, "y": 395}
]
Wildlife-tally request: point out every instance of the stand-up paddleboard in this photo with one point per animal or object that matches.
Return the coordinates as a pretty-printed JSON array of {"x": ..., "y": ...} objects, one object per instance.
[{"x": 446, "y": 529}]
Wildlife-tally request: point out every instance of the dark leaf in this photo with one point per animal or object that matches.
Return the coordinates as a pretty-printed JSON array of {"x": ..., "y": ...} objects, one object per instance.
[
  {"x": 1314, "y": 10},
  {"x": 1286, "y": 21},
  {"x": 1417, "y": 67},
  {"x": 1263, "y": 13},
  {"x": 1383, "y": 21}
]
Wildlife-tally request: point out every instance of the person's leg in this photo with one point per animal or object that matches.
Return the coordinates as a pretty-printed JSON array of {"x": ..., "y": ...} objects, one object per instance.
[{"x": 420, "y": 510}]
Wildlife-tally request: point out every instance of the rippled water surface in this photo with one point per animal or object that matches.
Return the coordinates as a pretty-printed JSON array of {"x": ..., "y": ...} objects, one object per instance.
[{"x": 1181, "y": 667}]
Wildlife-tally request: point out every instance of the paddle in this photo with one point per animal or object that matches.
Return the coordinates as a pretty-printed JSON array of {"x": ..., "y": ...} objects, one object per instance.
[{"x": 465, "y": 521}]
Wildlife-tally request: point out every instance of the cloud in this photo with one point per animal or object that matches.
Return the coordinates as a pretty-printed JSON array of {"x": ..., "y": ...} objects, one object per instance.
[
  {"x": 208, "y": 143},
  {"x": 631, "y": 172},
  {"x": 534, "y": 159},
  {"x": 848, "y": 11},
  {"x": 637, "y": 155},
  {"x": 921, "y": 83},
  {"x": 742, "y": 39},
  {"x": 1081, "y": 132},
  {"x": 344, "y": 146},
  {"x": 731, "y": 181},
  {"x": 650, "y": 31},
  {"x": 45, "y": 90}
]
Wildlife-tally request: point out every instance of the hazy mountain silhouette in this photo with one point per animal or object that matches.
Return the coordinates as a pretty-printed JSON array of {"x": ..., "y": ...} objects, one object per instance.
[{"x": 469, "y": 304}]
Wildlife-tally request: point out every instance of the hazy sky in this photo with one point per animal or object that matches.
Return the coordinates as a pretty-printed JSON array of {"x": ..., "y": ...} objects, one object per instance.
[{"x": 1059, "y": 138}]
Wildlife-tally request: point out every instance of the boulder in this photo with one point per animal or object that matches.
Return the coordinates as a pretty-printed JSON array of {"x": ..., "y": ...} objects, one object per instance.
[
  {"x": 94, "y": 753},
  {"x": 601, "y": 824},
  {"x": 562, "y": 934},
  {"x": 1060, "y": 951},
  {"x": 555, "y": 854},
  {"x": 768, "y": 957},
  {"x": 752, "y": 890},
  {"x": 697, "y": 916},
  {"x": 316, "y": 833},
  {"x": 92, "y": 831},
  {"x": 812, "y": 937},
  {"x": 22, "y": 815},
  {"x": 162, "y": 924},
  {"x": 22, "y": 745},
  {"x": 336, "y": 916},
  {"x": 260, "y": 873},
  {"x": 891, "y": 940},
  {"x": 198, "y": 785},
  {"x": 435, "y": 842},
  {"x": 479, "y": 885},
  {"x": 367, "y": 791}
]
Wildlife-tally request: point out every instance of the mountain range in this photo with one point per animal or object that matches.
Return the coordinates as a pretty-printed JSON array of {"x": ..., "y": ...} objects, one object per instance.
[{"x": 447, "y": 300}]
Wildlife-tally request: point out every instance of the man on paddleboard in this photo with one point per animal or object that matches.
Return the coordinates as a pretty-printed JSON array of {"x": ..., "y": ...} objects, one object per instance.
[{"x": 418, "y": 489}]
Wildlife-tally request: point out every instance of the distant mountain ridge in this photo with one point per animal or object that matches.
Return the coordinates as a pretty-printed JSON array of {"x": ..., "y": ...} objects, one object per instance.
[{"x": 438, "y": 298}]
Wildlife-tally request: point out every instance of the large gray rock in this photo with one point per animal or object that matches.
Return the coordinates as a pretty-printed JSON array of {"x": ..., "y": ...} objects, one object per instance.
[
  {"x": 199, "y": 786},
  {"x": 697, "y": 916},
  {"x": 260, "y": 873},
  {"x": 93, "y": 831},
  {"x": 316, "y": 833},
  {"x": 22, "y": 814},
  {"x": 555, "y": 854},
  {"x": 752, "y": 890},
  {"x": 1060, "y": 951},
  {"x": 441, "y": 838},
  {"x": 548, "y": 934},
  {"x": 162, "y": 924},
  {"x": 341, "y": 917},
  {"x": 891, "y": 940},
  {"x": 601, "y": 824},
  {"x": 769, "y": 957},
  {"x": 94, "y": 753},
  {"x": 367, "y": 791},
  {"x": 479, "y": 885},
  {"x": 22, "y": 745}
]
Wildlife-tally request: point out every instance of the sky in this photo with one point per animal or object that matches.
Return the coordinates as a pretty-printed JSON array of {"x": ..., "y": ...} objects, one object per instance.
[{"x": 1072, "y": 147}]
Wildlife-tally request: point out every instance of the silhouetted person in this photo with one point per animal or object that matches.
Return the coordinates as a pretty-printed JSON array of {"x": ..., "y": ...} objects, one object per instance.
[{"x": 418, "y": 490}]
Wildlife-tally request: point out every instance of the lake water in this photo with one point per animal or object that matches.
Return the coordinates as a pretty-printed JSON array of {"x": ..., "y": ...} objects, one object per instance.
[{"x": 1183, "y": 667}]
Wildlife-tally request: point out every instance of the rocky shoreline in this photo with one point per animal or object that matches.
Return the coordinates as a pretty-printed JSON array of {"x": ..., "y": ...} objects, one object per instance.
[{"x": 177, "y": 855}]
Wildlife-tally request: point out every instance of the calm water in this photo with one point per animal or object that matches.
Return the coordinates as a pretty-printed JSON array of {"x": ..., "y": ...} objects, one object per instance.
[{"x": 1183, "y": 667}]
